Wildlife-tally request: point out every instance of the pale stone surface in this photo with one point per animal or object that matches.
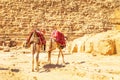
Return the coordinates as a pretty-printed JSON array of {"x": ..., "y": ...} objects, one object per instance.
[{"x": 105, "y": 43}]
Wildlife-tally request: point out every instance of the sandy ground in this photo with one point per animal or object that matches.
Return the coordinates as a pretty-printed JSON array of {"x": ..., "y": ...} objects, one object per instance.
[{"x": 16, "y": 65}]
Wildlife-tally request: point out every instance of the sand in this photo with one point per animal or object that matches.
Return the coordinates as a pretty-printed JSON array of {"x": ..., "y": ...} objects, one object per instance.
[{"x": 16, "y": 65}]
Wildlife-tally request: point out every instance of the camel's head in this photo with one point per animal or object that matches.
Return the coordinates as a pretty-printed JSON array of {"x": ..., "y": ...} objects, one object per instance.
[{"x": 26, "y": 44}]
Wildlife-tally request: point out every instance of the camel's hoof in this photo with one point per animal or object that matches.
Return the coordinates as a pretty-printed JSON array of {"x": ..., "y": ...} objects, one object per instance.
[
  {"x": 32, "y": 70},
  {"x": 63, "y": 62},
  {"x": 37, "y": 69}
]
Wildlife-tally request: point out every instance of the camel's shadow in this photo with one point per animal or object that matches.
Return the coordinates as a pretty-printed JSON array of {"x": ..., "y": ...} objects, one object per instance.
[
  {"x": 49, "y": 67},
  {"x": 12, "y": 70}
]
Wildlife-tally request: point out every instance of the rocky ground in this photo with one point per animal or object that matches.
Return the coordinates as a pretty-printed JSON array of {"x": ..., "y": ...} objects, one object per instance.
[{"x": 16, "y": 65}]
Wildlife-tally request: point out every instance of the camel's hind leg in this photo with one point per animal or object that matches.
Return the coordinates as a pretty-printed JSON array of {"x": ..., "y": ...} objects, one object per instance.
[
  {"x": 49, "y": 51},
  {"x": 49, "y": 56},
  {"x": 51, "y": 48}
]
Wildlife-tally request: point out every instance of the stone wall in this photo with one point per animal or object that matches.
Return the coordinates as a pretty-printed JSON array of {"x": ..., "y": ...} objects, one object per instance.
[{"x": 77, "y": 17}]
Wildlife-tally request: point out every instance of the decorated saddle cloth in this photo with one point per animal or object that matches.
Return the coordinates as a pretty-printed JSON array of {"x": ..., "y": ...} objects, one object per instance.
[
  {"x": 59, "y": 38},
  {"x": 40, "y": 36}
]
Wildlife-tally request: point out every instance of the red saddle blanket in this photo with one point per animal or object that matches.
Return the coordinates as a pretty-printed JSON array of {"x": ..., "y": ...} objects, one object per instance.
[
  {"x": 39, "y": 35},
  {"x": 59, "y": 37}
]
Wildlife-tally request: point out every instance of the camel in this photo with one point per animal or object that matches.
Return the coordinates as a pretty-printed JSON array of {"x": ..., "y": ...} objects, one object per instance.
[
  {"x": 52, "y": 46},
  {"x": 37, "y": 40}
]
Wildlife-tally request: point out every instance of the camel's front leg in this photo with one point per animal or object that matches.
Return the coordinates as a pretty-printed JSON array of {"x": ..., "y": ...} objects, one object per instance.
[
  {"x": 33, "y": 52},
  {"x": 37, "y": 62},
  {"x": 62, "y": 56},
  {"x": 37, "y": 57},
  {"x": 58, "y": 57}
]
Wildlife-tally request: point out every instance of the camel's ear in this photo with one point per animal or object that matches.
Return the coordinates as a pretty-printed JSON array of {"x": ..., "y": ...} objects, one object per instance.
[{"x": 66, "y": 38}]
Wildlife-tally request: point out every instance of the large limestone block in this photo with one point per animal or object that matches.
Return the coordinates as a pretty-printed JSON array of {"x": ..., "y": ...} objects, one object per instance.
[
  {"x": 82, "y": 42},
  {"x": 117, "y": 43},
  {"x": 78, "y": 45},
  {"x": 81, "y": 46},
  {"x": 68, "y": 46},
  {"x": 104, "y": 47},
  {"x": 103, "y": 43},
  {"x": 89, "y": 45},
  {"x": 74, "y": 47}
]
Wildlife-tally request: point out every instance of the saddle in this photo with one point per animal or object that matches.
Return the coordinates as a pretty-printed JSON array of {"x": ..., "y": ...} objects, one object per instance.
[
  {"x": 59, "y": 38},
  {"x": 39, "y": 37}
]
